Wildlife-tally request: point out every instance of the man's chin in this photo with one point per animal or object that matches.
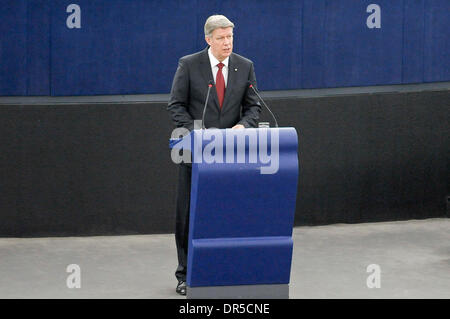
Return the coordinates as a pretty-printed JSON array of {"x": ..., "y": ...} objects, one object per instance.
[{"x": 226, "y": 54}]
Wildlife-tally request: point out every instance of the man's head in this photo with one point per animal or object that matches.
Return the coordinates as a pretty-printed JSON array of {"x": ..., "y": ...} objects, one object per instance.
[{"x": 219, "y": 36}]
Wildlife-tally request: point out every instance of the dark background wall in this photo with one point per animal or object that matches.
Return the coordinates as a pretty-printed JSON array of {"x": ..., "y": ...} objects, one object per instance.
[
  {"x": 104, "y": 169},
  {"x": 132, "y": 46}
]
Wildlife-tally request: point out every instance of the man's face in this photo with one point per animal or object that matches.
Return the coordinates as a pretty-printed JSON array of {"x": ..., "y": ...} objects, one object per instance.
[{"x": 221, "y": 42}]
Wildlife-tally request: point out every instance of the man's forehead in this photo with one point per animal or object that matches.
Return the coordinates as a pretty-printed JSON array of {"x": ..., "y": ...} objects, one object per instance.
[{"x": 222, "y": 31}]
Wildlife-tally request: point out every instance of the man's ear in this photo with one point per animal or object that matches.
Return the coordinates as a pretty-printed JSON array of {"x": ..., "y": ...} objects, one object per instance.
[{"x": 208, "y": 40}]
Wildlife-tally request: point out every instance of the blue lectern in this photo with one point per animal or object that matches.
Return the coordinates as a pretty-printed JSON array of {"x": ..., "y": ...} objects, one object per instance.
[{"x": 243, "y": 195}]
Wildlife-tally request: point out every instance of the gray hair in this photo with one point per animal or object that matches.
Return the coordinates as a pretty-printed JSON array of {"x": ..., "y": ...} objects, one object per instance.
[{"x": 216, "y": 21}]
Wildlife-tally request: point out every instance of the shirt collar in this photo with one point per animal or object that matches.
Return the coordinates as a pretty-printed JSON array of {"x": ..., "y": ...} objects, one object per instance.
[{"x": 214, "y": 61}]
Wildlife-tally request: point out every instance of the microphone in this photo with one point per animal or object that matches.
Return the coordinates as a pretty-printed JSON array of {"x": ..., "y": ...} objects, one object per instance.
[
  {"x": 210, "y": 85},
  {"x": 250, "y": 85}
]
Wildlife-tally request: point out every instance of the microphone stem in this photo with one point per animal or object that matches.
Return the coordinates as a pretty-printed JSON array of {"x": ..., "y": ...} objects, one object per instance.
[
  {"x": 204, "y": 109},
  {"x": 254, "y": 90}
]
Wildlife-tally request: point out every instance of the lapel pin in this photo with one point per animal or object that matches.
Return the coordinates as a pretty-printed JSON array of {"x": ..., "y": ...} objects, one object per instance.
[{"x": 235, "y": 70}]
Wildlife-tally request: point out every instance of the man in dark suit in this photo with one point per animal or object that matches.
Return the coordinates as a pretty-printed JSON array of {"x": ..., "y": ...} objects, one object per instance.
[{"x": 231, "y": 105}]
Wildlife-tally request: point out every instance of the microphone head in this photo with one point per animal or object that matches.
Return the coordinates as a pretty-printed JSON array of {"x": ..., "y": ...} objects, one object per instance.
[
  {"x": 250, "y": 84},
  {"x": 211, "y": 83}
]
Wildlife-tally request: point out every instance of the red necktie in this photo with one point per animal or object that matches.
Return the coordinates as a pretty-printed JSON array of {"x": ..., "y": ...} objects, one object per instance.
[{"x": 220, "y": 84}]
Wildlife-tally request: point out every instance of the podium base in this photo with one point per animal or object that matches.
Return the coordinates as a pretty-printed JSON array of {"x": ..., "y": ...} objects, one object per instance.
[{"x": 239, "y": 292}]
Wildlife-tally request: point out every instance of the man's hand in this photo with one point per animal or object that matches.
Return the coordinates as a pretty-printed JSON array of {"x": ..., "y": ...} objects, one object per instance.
[{"x": 238, "y": 126}]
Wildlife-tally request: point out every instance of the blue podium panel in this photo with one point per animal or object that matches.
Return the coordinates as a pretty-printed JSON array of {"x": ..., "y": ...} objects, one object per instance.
[
  {"x": 243, "y": 194},
  {"x": 240, "y": 261}
]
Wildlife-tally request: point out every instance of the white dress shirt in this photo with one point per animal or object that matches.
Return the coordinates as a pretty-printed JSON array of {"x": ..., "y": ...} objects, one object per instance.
[{"x": 215, "y": 68}]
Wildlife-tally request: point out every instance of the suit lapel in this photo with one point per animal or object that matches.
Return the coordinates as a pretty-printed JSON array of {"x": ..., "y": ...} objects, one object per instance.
[{"x": 208, "y": 76}]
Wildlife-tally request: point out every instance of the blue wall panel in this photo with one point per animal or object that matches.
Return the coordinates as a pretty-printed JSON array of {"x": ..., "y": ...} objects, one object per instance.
[
  {"x": 122, "y": 47},
  {"x": 132, "y": 46},
  {"x": 413, "y": 41},
  {"x": 38, "y": 50},
  {"x": 437, "y": 41},
  {"x": 313, "y": 57},
  {"x": 356, "y": 55},
  {"x": 13, "y": 41},
  {"x": 267, "y": 32},
  {"x": 340, "y": 50},
  {"x": 24, "y": 51}
]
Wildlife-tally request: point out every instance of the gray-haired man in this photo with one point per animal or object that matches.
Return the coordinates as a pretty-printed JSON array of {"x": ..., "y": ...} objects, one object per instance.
[{"x": 231, "y": 105}]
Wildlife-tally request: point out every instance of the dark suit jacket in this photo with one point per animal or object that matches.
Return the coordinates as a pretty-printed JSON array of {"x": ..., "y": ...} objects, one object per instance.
[{"x": 190, "y": 86}]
